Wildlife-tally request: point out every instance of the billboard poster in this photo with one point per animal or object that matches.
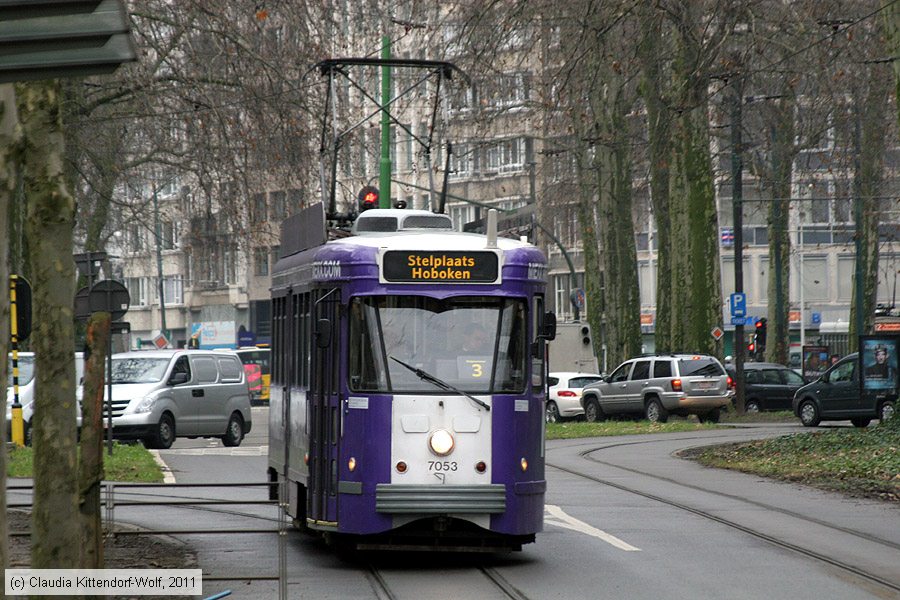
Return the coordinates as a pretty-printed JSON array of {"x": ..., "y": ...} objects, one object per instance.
[
  {"x": 214, "y": 334},
  {"x": 879, "y": 361},
  {"x": 815, "y": 362}
]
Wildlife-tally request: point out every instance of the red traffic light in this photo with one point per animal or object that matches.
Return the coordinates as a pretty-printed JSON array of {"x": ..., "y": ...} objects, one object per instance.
[
  {"x": 751, "y": 347},
  {"x": 368, "y": 198}
]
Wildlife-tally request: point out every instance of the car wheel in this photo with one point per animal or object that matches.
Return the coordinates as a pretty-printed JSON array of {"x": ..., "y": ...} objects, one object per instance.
[
  {"x": 886, "y": 410},
  {"x": 552, "y": 412},
  {"x": 752, "y": 406},
  {"x": 655, "y": 411},
  {"x": 860, "y": 422},
  {"x": 164, "y": 436},
  {"x": 809, "y": 413},
  {"x": 592, "y": 411},
  {"x": 234, "y": 434}
]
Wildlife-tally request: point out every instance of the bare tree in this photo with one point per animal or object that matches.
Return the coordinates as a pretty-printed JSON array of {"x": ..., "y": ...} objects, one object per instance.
[
  {"x": 51, "y": 215},
  {"x": 9, "y": 137}
]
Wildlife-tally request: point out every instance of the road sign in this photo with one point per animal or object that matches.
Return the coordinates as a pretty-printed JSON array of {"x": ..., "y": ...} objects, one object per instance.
[
  {"x": 717, "y": 333},
  {"x": 739, "y": 304},
  {"x": 816, "y": 318},
  {"x": 739, "y": 320},
  {"x": 160, "y": 341},
  {"x": 109, "y": 296},
  {"x": 578, "y": 298}
]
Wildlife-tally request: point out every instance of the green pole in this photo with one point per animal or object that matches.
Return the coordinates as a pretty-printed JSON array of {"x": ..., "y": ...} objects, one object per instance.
[{"x": 384, "y": 187}]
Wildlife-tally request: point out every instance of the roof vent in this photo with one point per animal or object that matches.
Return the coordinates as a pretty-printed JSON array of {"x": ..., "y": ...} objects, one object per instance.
[{"x": 390, "y": 220}]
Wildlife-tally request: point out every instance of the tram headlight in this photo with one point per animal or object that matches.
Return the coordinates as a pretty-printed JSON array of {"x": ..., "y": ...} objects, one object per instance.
[
  {"x": 524, "y": 464},
  {"x": 441, "y": 442},
  {"x": 351, "y": 464}
]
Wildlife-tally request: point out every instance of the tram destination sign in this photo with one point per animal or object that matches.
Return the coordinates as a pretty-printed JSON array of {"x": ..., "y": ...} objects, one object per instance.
[{"x": 435, "y": 266}]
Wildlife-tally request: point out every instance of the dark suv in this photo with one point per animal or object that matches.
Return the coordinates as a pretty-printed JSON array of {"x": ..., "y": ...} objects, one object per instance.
[
  {"x": 768, "y": 386},
  {"x": 837, "y": 396},
  {"x": 660, "y": 385}
]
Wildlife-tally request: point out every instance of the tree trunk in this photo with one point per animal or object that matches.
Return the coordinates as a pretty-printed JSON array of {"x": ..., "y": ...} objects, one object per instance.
[
  {"x": 621, "y": 294},
  {"x": 55, "y": 534},
  {"x": 658, "y": 131},
  {"x": 90, "y": 469},
  {"x": 871, "y": 113},
  {"x": 892, "y": 33},
  {"x": 594, "y": 278},
  {"x": 697, "y": 307},
  {"x": 8, "y": 140},
  {"x": 778, "y": 334}
]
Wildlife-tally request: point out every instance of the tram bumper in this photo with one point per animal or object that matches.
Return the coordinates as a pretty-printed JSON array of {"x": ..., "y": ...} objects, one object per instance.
[{"x": 440, "y": 500}]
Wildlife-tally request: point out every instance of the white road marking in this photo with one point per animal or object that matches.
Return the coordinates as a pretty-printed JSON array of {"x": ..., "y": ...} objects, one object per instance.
[
  {"x": 168, "y": 477},
  {"x": 220, "y": 451},
  {"x": 561, "y": 519}
]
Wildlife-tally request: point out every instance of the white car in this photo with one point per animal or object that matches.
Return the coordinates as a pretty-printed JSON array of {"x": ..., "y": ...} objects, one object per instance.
[{"x": 564, "y": 400}]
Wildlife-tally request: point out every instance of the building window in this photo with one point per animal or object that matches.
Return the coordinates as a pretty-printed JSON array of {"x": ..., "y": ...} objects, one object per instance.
[
  {"x": 276, "y": 254},
  {"x": 258, "y": 208},
  {"x": 135, "y": 239},
  {"x": 137, "y": 289},
  {"x": 279, "y": 206},
  {"x": 169, "y": 235},
  {"x": 173, "y": 288},
  {"x": 260, "y": 262}
]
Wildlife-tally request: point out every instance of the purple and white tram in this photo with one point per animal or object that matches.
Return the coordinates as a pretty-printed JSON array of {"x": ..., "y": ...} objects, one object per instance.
[{"x": 386, "y": 427}]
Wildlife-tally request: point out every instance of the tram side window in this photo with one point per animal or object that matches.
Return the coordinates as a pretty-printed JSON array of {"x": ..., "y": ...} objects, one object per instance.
[
  {"x": 364, "y": 373},
  {"x": 511, "y": 352},
  {"x": 279, "y": 349},
  {"x": 296, "y": 301},
  {"x": 537, "y": 356},
  {"x": 303, "y": 359}
]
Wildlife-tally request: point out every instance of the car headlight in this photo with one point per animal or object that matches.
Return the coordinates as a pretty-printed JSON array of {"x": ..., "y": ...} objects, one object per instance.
[{"x": 145, "y": 405}]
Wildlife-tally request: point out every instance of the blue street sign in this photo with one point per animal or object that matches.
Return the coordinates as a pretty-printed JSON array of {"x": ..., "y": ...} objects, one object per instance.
[
  {"x": 816, "y": 318},
  {"x": 749, "y": 321},
  {"x": 739, "y": 304}
]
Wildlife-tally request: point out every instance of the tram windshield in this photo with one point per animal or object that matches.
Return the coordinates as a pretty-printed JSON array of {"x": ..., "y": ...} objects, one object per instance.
[{"x": 477, "y": 344}]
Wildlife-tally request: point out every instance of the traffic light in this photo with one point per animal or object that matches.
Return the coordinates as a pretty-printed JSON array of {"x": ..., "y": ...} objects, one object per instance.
[
  {"x": 761, "y": 334},
  {"x": 751, "y": 348},
  {"x": 368, "y": 198}
]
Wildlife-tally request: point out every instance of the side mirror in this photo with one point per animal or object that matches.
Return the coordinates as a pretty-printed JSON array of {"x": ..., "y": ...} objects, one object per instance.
[
  {"x": 178, "y": 378},
  {"x": 548, "y": 327},
  {"x": 323, "y": 333}
]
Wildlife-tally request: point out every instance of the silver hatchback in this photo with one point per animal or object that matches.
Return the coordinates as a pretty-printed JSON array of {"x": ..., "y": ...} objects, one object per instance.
[{"x": 661, "y": 385}]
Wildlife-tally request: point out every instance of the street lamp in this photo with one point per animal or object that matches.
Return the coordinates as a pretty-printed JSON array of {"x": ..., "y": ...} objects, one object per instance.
[{"x": 159, "y": 267}]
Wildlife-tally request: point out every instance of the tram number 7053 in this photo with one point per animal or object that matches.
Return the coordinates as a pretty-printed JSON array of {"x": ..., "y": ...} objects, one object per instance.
[{"x": 437, "y": 465}]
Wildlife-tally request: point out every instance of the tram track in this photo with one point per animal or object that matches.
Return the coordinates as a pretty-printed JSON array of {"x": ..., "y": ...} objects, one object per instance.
[
  {"x": 498, "y": 586},
  {"x": 859, "y": 572}
]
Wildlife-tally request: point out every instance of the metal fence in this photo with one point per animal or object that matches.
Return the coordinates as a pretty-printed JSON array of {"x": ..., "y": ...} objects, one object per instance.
[{"x": 121, "y": 495}]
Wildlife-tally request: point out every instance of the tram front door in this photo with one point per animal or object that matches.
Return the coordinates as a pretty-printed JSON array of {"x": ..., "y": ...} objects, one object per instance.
[{"x": 325, "y": 409}]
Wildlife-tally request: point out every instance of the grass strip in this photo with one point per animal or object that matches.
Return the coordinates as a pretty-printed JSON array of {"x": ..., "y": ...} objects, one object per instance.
[
  {"x": 858, "y": 462},
  {"x": 128, "y": 463}
]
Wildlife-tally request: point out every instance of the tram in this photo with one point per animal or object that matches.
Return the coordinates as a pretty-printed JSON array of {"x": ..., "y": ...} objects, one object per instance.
[{"x": 408, "y": 383}]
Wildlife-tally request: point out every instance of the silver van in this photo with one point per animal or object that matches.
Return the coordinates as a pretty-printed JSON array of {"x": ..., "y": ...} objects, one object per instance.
[
  {"x": 27, "y": 381},
  {"x": 160, "y": 394}
]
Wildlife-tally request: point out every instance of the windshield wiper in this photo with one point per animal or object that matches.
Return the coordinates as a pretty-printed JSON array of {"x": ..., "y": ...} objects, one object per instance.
[{"x": 425, "y": 376}]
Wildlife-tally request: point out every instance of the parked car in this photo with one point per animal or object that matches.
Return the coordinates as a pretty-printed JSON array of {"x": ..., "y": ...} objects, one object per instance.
[
  {"x": 163, "y": 394},
  {"x": 27, "y": 382},
  {"x": 768, "y": 386},
  {"x": 659, "y": 385},
  {"x": 564, "y": 400},
  {"x": 837, "y": 396}
]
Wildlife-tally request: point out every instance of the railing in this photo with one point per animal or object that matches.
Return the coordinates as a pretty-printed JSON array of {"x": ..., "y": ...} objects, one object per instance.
[{"x": 110, "y": 502}]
